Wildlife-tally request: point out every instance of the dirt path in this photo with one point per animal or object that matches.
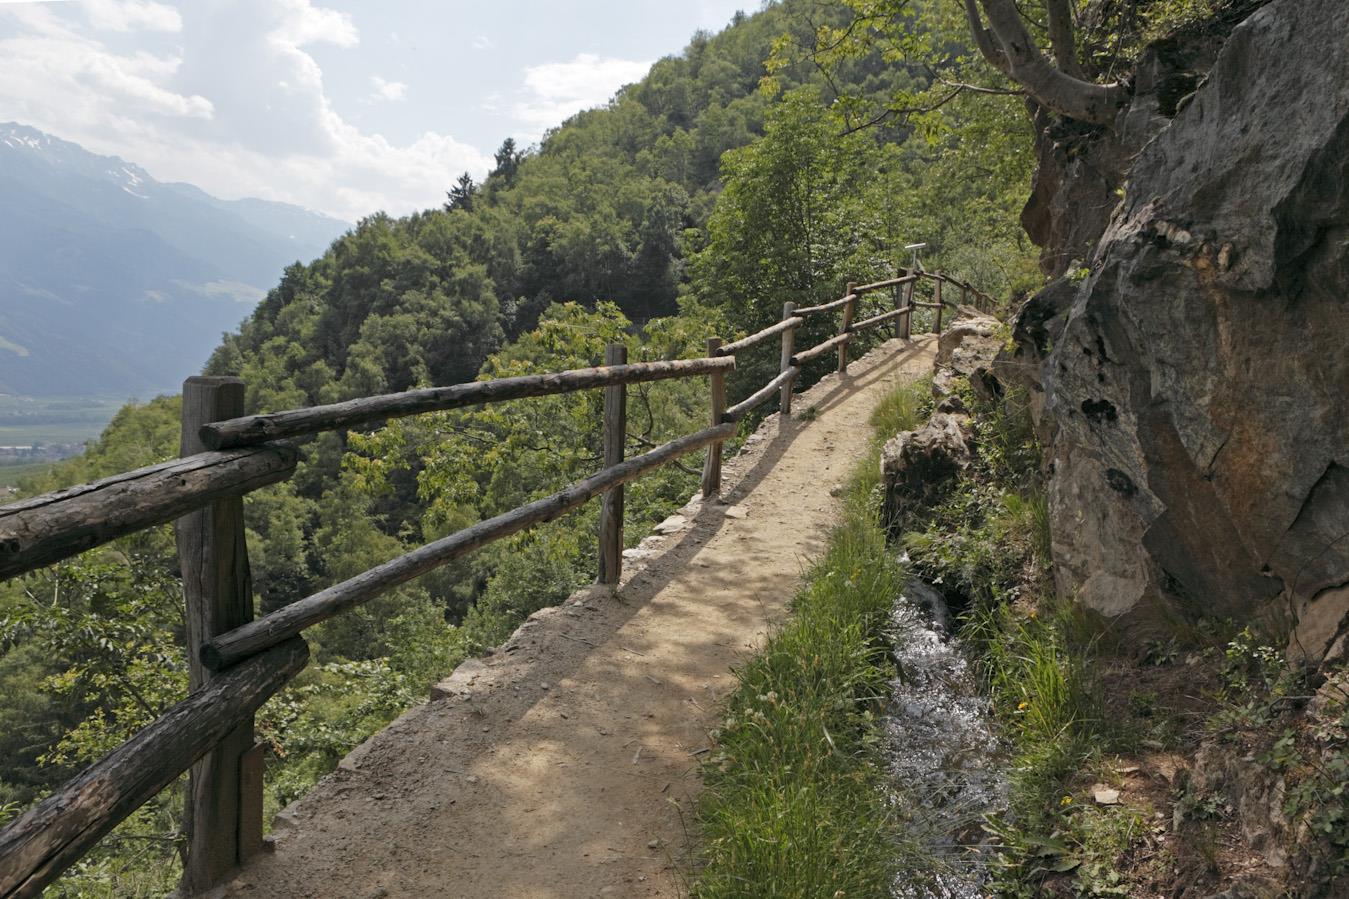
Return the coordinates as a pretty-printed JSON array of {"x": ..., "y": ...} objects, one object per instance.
[{"x": 565, "y": 765}]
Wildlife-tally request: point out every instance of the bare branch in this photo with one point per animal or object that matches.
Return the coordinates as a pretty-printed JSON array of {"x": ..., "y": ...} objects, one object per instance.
[
  {"x": 1062, "y": 40},
  {"x": 988, "y": 47}
]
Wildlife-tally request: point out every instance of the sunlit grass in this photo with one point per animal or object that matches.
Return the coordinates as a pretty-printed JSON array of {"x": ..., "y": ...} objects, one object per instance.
[{"x": 796, "y": 793}]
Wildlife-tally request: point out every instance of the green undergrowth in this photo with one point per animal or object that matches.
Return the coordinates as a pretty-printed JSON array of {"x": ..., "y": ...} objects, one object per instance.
[
  {"x": 796, "y": 800},
  {"x": 986, "y": 545}
]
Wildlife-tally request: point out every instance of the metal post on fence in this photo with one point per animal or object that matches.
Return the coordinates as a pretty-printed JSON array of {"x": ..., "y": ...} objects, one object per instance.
[
  {"x": 848, "y": 309},
  {"x": 611, "y": 503},
  {"x": 712, "y": 467},
  {"x": 223, "y": 810},
  {"x": 785, "y": 361}
]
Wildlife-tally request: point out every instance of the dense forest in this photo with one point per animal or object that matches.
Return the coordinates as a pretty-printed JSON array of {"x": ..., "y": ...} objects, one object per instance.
[{"x": 798, "y": 149}]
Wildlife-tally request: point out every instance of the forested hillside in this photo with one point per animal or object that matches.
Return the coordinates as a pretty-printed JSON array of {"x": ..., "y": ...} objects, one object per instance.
[{"x": 771, "y": 162}]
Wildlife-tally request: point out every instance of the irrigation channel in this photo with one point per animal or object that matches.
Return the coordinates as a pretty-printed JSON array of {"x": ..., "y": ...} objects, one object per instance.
[{"x": 947, "y": 763}]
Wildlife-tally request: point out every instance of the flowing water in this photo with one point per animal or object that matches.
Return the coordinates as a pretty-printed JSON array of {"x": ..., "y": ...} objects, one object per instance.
[{"x": 941, "y": 749}]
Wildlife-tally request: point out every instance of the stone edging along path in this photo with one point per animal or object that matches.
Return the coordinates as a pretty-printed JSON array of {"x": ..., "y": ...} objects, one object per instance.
[{"x": 565, "y": 764}]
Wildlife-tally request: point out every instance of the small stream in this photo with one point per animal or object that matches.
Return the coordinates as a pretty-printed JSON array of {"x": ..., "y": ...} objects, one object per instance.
[{"x": 941, "y": 748}]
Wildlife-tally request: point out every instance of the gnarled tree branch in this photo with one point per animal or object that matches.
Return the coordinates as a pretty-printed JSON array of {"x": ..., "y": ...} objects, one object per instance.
[
  {"x": 988, "y": 47},
  {"x": 1022, "y": 61},
  {"x": 1062, "y": 40}
]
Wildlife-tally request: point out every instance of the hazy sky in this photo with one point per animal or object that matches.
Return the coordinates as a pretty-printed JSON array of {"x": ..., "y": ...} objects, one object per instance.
[{"x": 345, "y": 106}]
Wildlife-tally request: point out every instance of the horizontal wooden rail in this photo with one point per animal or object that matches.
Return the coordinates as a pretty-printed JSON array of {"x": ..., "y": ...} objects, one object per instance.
[
  {"x": 54, "y": 526},
  {"x": 825, "y": 307},
  {"x": 760, "y": 396},
  {"x": 296, "y": 422},
  {"x": 744, "y": 343},
  {"x": 286, "y": 622},
  {"x": 820, "y": 349},
  {"x": 881, "y": 285},
  {"x": 254, "y": 660},
  {"x": 55, "y": 833},
  {"x": 878, "y": 319}
]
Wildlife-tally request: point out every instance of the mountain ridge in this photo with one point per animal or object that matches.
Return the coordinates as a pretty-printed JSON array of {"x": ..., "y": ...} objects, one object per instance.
[{"x": 114, "y": 283}]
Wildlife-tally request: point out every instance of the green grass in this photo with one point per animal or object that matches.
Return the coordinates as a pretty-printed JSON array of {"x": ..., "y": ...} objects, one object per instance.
[{"x": 796, "y": 794}]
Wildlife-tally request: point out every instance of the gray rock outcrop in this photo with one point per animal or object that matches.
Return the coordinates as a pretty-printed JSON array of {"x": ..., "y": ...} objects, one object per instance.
[
  {"x": 921, "y": 464},
  {"x": 1196, "y": 385}
]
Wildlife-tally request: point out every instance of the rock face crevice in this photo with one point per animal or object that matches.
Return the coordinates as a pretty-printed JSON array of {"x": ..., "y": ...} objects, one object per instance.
[{"x": 1195, "y": 383}]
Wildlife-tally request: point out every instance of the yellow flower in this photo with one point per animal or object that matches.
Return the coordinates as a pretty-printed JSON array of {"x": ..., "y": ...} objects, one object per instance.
[
  {"x": 1022, "y": 706},
  {"x": 1066, "y": 800}
]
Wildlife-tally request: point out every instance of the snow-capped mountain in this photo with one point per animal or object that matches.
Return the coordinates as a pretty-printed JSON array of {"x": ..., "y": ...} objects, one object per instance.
[{"x": 115, "y": 284}]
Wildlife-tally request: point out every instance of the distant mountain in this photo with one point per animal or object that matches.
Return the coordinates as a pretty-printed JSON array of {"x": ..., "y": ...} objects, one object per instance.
[{"x": 115, "y": 284}]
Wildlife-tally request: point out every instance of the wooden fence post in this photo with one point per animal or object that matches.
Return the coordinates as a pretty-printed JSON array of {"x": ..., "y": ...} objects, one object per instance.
[
  {"x": 908, "y": 304},
  {"x": 788, "y": 344},
  {"x": 224, "y": 828},
  {"x": 937, "y": 328},
  {"x": 712, "y": 467},
  {"x": 611, "y": 503},
  {"x": 848, "y": 309}
]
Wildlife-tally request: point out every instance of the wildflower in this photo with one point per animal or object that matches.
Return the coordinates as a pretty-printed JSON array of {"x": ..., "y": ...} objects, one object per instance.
[
  {"x": 1022, "y": 706},
  {"x": 1066, "y": 800}
]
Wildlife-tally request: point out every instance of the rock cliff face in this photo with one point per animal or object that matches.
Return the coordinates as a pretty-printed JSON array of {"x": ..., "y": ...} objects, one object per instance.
[{"x": 1196, "y": 384}]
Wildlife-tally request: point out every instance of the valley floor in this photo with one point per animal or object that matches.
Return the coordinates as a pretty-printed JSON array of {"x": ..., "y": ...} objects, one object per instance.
[{"x": 566, "y": 764}]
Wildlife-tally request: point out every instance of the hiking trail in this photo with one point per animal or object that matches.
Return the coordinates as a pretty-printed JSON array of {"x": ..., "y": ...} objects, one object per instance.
[{"x": 565, "y": 764}]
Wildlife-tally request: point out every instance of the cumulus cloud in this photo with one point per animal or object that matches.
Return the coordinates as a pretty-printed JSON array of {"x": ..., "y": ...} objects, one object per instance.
[
  {"x": 236, "y": 104},
  {"x": 555, "y": 91},
  {"x": 389, "y": 91},
  {"x": 483, "y": 42},
  {"x": 128, "y": 15}
]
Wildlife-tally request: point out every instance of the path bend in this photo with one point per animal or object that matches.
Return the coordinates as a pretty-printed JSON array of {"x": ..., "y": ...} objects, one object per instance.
[{"x": 565, "y": 765}]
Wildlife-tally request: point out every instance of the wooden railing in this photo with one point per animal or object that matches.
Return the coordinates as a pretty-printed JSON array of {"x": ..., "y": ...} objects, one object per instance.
[{"x": 235, "y": 662}]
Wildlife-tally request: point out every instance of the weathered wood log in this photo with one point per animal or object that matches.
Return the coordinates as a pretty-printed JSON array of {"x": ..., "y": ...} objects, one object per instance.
[
  {"x": 288, "y": 621},
  {"x": 825, "y": 307},
  {"x": 849, "y": 309},
  {"x": 785, "y": 362},
  {"x": 907, "y": 325},
  {"x": 760, "y": 396},
  {"x": 881, "y": 285},
  {"x": 353, "y": 413},
  {"x": 54, "y": 834},
  {"x": 712, "y": 464},
  {"x": 875, "y": 320},
  {"x": 48, "y": 528},
  {"x": 758, "y": 337},
  {"x": 820, "y": 349},
  {"x": 611, "y": 502},
  {"x": 218, "y": 596}
]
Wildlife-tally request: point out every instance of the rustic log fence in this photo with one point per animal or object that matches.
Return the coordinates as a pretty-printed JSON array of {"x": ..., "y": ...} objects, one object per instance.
[{"x": 237, "y": 662}]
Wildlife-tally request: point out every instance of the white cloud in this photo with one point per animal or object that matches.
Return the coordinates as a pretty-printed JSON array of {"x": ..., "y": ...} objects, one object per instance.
[
  {"x": 389, "y": 91},
  {"x": 128, "y": 15},
  {"x": 483, "y": 42},
  {"x": 555, "y": 91},
  {"x": 237, "y": 106}
]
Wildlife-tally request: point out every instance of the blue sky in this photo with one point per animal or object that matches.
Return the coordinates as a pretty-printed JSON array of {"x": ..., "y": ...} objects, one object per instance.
[{"x": 345, "y": 106}]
